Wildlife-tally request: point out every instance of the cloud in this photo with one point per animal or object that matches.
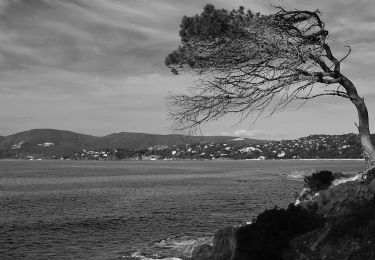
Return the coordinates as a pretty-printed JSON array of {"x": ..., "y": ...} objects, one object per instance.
[
  {"x": 112, "y": 37},
  {"x": 256, "y": 134},
  {"x": 98, "y": 37},
  {"x": 87, "y": 104},
  {"x": 97, "y": 66}
]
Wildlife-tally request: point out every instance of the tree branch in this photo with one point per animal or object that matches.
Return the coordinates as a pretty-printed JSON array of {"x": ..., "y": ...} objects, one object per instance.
[
  {"x": 324, "y": 94},
  {"x": 252, "y": 63}
]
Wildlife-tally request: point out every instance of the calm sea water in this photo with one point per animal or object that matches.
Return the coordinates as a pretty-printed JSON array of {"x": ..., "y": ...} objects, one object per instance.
[{"x": 137, "y": 209}]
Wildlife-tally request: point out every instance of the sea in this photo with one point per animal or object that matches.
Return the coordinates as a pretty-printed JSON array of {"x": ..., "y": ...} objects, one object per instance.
[{"x": 138, "y": 209}]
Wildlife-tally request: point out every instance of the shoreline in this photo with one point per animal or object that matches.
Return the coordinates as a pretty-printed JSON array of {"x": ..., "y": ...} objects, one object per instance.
[{"x": 225, "y": 159}]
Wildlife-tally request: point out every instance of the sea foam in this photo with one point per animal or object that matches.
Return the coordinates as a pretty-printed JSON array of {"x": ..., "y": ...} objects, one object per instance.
[{"x": 171, "y": 249}]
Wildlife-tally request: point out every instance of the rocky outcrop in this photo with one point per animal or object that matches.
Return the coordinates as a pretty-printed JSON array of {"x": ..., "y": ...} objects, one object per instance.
[
  {"x": 203, "y": 252},
  {"x": 348, "y": 238},
  {"x": 224, "y": 246},
  {"x": 348, "y": 233},
  {"x": 343, "y": 199}
]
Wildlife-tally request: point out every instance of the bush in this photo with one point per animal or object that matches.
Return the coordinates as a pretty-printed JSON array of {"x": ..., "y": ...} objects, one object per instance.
[
  {"x": 269, "y": 234},
  {"x": 319, "y": 180}
]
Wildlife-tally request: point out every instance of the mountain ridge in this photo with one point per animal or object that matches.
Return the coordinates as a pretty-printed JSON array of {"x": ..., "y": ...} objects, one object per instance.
[
  {"x": 48, "y": 142},
  {"x": 53, "y": 143}
]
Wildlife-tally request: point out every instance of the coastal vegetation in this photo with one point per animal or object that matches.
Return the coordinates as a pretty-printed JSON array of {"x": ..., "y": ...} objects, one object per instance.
[{"x": 319, "y": 180}]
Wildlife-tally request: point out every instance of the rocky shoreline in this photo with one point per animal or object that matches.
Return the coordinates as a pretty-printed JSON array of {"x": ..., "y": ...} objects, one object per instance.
[{"x": 347, "y": 231}]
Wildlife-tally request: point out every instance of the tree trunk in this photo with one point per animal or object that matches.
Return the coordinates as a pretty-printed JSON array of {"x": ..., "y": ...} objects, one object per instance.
[
  {"x": 364, "y": 131},
  {"x": 363, "y": 121}
]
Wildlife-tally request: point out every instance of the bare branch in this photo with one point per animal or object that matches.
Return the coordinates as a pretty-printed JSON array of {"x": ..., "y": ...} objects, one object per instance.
[
  {"x": 332, "y": 58},
  {"x": 347, "y": 54},
  {"x": 251, "y": 63},
  {"x": 344, "y": 95}
]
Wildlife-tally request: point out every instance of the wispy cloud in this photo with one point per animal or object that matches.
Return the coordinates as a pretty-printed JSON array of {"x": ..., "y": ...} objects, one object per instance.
[
  {"x": 255, "y": 134},
  {"x": 101, "y": 37},
  {"x": 99, "y": 63}
]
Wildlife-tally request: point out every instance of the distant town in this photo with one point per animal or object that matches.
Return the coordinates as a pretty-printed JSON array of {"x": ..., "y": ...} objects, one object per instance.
[{"x": 312, "y": 147}]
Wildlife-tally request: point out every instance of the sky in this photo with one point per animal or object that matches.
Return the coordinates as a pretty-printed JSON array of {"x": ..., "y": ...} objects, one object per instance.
[{"x": 97, "y": 67}]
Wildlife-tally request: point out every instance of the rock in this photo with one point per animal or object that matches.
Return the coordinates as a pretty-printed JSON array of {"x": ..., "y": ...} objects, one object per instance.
[
  {"x": 225, "y": 243},
  {"x": 346, "y": 179},
  {"x": 369, "y": 175},
  {"x": 348, "y": 234},
  {"x": 325, "y": 196},
  {"x": 371, "y": 186},
  {"x": 203, "y": 252}
]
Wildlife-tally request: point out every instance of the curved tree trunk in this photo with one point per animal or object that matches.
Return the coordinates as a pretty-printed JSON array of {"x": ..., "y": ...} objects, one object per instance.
[
  {"x": 364, "y": 131},
  {"x": 363, "y": 121}
]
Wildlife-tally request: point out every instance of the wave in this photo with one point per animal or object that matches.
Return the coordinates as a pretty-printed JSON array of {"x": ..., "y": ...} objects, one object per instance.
[
  {"x": 180, "y": 248},
  {"x": 295, "y": 175},
  {"x": 138, "y": 255}
]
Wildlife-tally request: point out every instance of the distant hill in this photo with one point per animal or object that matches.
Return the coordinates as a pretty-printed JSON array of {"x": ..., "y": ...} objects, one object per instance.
[
  {"x": 49, "y": 142},
  {"x": 46, "y": 142}
]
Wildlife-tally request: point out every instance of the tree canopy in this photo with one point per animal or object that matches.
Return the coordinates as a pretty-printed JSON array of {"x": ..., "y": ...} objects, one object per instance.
[{"x": 251, "y": 62}]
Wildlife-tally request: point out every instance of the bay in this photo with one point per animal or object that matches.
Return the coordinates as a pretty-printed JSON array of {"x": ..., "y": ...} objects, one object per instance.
[{"x": 137, "y": 209}]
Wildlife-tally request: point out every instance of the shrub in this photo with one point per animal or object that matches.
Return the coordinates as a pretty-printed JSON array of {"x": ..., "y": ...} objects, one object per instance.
[
  {"x": 269, "y": 234},
  {"x": 319, "y": 180}
]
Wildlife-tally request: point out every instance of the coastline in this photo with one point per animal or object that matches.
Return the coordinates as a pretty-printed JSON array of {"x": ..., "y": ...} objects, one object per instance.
[{"x": 217, "y": 159}]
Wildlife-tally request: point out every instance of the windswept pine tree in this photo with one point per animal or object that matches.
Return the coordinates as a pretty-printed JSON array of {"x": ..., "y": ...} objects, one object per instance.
[{"x": 249, "y": 63}]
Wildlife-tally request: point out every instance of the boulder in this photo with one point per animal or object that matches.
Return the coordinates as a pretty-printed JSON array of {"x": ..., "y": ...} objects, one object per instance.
[
  {"x": 203, "y": 252},
  {"x": 326, "y": 196},
  {"x": 371, "y": 186},
  {"x": 225, "y": 243},
  {"x": 351, "y": 237}
]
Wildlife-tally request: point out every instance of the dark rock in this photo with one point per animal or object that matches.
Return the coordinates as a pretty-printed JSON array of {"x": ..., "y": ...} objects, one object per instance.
[
  {"x": 372, "y": 186},
  {"x": 346, "y": 230},
  {"x": 349, "y": 237},
  {"x": 203, "y": 252},
  {"x": 369, "y": 175},
  {"x": 225, "y": 243}
]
